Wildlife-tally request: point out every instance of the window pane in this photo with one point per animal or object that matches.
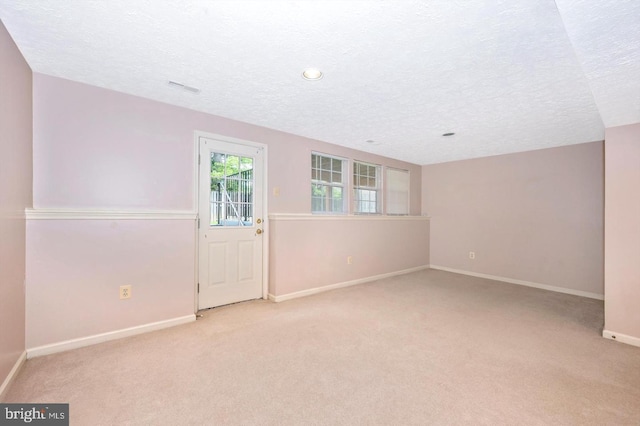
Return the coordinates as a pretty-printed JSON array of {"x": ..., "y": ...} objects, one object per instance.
[
  {"x": 327, "y": 184},
  {"x": 317, "y": 198},
  {"x": 336, "y": 199},
  {"x": 318, "y": 190},
  {"x": 397, "y": 192},
  {"x": 325, "y": 163},
  {"x": 366, "y": 187},
  {"x": 231, "y": 197}
]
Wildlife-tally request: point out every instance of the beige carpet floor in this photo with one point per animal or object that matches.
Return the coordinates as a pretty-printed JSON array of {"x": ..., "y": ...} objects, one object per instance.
[{"x": 426, "y": 348}]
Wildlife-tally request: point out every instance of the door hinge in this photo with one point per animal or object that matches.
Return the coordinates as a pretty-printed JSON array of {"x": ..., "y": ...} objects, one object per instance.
[
  {"x": 198, "y": 287},
  {"x": 198, "y": 223},
  {"x": 198, "y": 159}
]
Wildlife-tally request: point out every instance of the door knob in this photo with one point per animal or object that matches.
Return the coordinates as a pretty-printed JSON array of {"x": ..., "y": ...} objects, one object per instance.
[{"x": 258, "y": 231}]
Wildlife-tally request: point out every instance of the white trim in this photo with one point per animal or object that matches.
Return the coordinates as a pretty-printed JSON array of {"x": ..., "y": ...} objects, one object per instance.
[
  {"x": 265, "y": 223},
  {"x": 624, "y": 338},
  {"x": 79, "y": 214},
  {"x": 196, "y": 277},
  {"x": 322, "y": 289},
  {"x": 265, "y": 206},
  {"x": 352, "y": 217},
  {"x": 105, "y": 337},
  {"x": 12, "y": 374},
  {"x": 196, "y": 208},
  {"x": 196, "y": 171},
  {"x": 522, "y": 282}
]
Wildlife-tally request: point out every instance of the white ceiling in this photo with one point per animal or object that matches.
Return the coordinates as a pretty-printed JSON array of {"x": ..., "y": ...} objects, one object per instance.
[{"x": 504, "y": 75}]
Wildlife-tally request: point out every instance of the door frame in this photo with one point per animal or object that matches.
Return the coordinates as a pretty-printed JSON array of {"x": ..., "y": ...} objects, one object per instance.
[{"x": 196, "y": 202}]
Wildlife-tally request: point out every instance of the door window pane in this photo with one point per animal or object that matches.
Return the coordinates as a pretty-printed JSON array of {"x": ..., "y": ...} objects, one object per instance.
[{"x": 231, "y": 190}]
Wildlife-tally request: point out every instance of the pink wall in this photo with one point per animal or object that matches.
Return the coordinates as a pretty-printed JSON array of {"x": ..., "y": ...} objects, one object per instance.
[
  {"x": 75, "y": 268},
  {"x": 15, "y": 195},
  {"x": 103, "y": 150},
  {"x": 535, "y": 216},
  {"x": 96, "y": 148},
  {"x": 622, "y": 230},
  {"x": 377, "y": 246}
]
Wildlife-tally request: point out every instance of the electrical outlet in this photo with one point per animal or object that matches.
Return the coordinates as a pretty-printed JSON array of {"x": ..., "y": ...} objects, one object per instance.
[
  {"x": 276, "y": 191},
  {"x": 472, "y": 255},
  {"x": 349, "y": 260},
  {"x": 125, "y": 292}
]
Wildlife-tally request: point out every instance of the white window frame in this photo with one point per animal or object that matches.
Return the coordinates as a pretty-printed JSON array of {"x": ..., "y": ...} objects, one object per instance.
[
  {"x": 344, "y": 184},
  {"x": 376, "y": 188},
  {"x": 397, "y": 194}
]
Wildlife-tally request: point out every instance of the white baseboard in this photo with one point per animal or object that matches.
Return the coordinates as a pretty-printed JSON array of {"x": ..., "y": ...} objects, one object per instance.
[
  {"x": 629, "y": 340},
  {"x": 104, "y": 337},
  {"x": 522, "y": 282},
  {"x": 12, "y": 375},
  {"x": 317, "y": 290}
]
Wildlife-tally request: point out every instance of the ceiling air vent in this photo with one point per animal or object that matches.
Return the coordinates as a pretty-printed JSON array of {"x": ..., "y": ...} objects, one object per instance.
[{"x": 184, "y": 87}]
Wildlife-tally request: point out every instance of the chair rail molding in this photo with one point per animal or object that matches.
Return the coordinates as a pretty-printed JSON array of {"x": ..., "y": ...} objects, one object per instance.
[
  {"x": 84, "y": 214},
  {"x": 350, "y": 217}
]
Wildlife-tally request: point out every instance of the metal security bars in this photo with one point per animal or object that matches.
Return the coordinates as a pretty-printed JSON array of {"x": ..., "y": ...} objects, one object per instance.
[{"x": 232, "y": 186}]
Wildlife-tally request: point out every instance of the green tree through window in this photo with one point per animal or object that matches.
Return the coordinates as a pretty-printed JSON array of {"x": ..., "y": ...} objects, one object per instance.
[{"x": 231, "y": 190}]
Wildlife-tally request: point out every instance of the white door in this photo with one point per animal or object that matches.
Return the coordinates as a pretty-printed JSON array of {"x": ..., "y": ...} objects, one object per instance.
[{"x": 230, "y": 222}]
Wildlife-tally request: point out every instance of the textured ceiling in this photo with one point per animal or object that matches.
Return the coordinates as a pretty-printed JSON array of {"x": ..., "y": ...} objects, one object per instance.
[{"x": 505, "y": 76}]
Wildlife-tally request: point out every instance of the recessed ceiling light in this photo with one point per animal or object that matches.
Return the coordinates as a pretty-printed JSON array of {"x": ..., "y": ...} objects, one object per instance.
[
  {"x": 184, "y": 87},
  {"x": 448, "y": 134},
  {"x": 312, "y": 74}
]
